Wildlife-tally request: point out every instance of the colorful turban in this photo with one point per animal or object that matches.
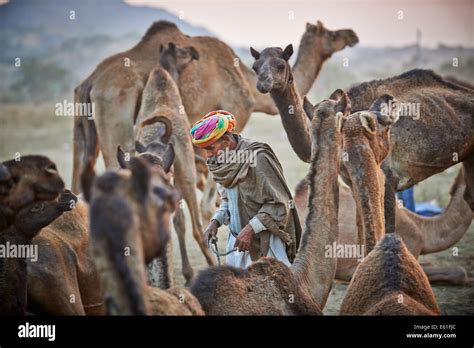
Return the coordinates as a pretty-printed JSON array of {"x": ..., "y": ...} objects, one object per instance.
[{"x": 212, "y": 127}]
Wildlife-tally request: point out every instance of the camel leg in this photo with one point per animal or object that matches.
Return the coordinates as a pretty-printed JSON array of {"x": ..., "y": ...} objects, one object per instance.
[
  {"x": 209, "y": 199},
  {"x": 455, "y": 275},
  {"x": 180, "y": 227},
  {"x": 390, "y": 200},
  {"x": 469, "y": 179},
  {"x": 185, "y": 180}
]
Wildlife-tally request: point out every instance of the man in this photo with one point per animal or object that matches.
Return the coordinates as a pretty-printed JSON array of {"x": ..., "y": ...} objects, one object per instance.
[{"x": 256, "y": 202}]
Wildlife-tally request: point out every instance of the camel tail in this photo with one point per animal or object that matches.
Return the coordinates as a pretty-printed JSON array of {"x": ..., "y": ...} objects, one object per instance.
[
  {"x": 443, "y": 231},
  {"x": 85, "y": 140}
]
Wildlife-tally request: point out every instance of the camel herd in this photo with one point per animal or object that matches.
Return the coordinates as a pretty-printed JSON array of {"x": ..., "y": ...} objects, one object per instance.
[{"x": 104, "y": 248}]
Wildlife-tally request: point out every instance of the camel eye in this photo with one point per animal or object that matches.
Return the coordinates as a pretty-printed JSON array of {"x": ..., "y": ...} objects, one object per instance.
[
  {"x": 255, "y": 68},
  {"x": 281, "y": 66}
]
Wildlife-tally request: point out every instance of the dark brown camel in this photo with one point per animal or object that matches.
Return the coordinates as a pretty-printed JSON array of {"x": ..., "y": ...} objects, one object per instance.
[
  {"x": 130, "y": 224},
  {"x": 63, "y": 280}
]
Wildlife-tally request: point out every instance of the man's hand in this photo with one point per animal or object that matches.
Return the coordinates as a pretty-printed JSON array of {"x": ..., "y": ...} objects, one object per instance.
[
  {"x": 242, "y": 243},
  {"x": 211, "y": 231}
]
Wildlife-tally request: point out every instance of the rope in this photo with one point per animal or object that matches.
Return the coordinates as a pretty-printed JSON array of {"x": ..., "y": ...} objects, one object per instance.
[{"x": 213, "y": 242}]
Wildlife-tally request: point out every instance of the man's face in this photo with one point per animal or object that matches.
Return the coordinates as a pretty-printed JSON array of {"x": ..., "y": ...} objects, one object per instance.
[{"x": 220, "y": 145}]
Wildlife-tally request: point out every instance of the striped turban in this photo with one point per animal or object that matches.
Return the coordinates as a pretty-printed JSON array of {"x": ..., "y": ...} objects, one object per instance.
[{"x": 212, "y": 127}]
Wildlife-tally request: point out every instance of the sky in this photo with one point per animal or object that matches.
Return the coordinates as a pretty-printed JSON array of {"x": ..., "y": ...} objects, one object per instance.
[
  {"x": 263, "y": 23},
  {"x": 377, "y": 22}
]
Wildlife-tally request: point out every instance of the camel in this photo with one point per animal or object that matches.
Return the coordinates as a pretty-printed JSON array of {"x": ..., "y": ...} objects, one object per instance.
[
  {"x": 389, "y": 280},
  {"x": 161, "y": 102},
  {"x": 26, "y": 224},
  {"x": 218, "y": 80},
  {"x": 63, "y": 280},
  {"x": 421, "y": 146},
  {"x": 130, "y": 221},
  {"x": 267, "y": 285},
  {"x": 422, "y": 235},
  {"x": 275, "y": 76}
]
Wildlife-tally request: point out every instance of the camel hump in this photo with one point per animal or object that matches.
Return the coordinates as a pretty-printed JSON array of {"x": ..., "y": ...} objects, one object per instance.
[
  {"x": 159, "y": 26},
  {"x": 423, "y": 77}
]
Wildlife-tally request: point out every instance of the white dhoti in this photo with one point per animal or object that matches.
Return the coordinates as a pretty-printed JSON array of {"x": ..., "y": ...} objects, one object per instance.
[{"x": 242, "y": 259}]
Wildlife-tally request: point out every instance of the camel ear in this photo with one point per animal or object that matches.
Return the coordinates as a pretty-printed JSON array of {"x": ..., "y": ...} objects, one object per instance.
[
  {"x": 319, "y": 27},
  {"x": 308, "y": 107},
  {"x": 139, "y": 147},
  {"x": 194, "y": 53},
  {"x": 254, "y": 53},
  {"x": 309, "y": 26},
  {"x": 340, "y": 119},
  {"x": 140, "y": 177},
  {"x": 121, "y": 157},
  {"x": 387, "y": 109},
  {"x": 168, "y": 157},
  {"x": 368, "y": 122},
  {"x": 87, "y": 179},
  {"x": 287, "y": 52},
  {"x": 343, "y": 102}
]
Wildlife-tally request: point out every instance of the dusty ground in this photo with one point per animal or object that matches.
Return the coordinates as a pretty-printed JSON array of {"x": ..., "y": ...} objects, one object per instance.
[{"x": 36, "y": 130}]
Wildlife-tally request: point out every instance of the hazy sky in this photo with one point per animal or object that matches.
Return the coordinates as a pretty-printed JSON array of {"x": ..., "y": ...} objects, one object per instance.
[
  {"x": 377, "y": 22},
  {"x": 278, "y": 22}
]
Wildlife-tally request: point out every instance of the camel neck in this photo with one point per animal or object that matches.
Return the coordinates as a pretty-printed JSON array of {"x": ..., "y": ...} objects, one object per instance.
[
  {"x": 311, "y": 266},
  {"x": 294, "y": 120},
  {"x": 368, "y": 192},
  {"x": 307, "y": 66}
]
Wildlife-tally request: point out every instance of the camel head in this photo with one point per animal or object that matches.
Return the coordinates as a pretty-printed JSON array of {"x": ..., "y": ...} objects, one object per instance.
[
  {"x": 328, "y": 115},
  {"x": 325, "y": 41},
  {"x": 372, "y": 128},
  {"x": 272, "y": 68},
  {"x": 130, "y": 223},
  {"x": 175, "y": 58},
  {"x": 160, "y": 151},
  {"x": 31, "y": 178},
  {"x": 366, "y": 143}
]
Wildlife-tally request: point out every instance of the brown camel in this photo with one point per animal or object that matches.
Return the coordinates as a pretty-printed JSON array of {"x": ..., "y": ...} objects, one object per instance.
[
  {"x": 174, "y": 59},
  {"x": 218, "y": 80},
  {"x": 130, "y": 221},
  {"x": 275, "y": 76},
  {"x": 26, "y": 224},
  {"x": 389, "y": 280},
  {"x": 421, "y": 146},
  {"x": 63, "y": 280},
  {"x": 422, "y": 235},
  {"x": 268, "y": 286},
  {"x": 161, "y": 101}
]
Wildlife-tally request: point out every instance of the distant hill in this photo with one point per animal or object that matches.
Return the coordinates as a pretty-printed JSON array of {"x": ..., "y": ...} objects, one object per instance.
[
  {"x": 32, "y": 27},
  {"x": 57, "y": 52}
]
